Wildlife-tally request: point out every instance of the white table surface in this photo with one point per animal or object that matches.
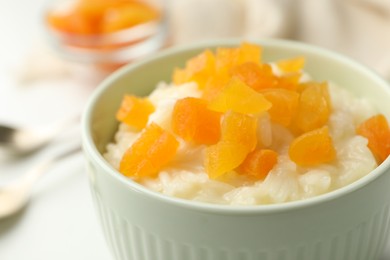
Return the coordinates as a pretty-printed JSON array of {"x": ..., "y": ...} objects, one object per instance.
[{"x": 59, "y": 222}]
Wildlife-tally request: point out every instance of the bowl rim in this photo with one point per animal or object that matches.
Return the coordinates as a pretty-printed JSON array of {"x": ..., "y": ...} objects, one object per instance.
[{"x": 91, "y": 151}]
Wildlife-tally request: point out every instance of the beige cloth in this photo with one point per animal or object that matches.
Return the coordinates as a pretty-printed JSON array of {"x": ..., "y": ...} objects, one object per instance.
[{"x": 358, "y": 28}]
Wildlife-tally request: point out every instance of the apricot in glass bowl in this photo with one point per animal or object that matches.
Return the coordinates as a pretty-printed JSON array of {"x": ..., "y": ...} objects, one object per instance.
[{"x": 106, "y": 33}]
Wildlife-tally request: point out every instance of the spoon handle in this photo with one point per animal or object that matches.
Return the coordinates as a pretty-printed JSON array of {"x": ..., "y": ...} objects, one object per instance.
[{"x": 39, "y": 169}]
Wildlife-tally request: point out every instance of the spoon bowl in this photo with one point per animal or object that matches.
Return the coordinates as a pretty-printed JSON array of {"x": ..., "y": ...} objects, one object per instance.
[
  {"x": 16, "y": 142},
  {"x": 15, "y": 195}
]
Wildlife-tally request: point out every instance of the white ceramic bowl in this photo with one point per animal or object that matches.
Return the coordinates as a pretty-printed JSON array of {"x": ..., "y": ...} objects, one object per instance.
[{"x": 351, "y": 223}]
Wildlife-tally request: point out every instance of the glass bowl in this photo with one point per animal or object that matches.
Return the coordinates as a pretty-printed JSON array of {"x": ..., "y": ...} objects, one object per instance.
[{"x": 110, "y": 50}]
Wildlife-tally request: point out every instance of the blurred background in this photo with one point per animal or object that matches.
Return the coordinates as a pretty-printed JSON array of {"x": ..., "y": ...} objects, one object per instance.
[{"x": 53, "y": 54}]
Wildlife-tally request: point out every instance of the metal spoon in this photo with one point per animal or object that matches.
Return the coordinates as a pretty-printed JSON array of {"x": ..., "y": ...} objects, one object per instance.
[
  {"x": 14, "y": 196},
  {"x": 16, "y": 142}
]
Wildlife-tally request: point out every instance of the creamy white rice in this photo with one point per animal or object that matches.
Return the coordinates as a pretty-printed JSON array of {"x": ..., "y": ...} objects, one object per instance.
[{"x": 185, "y": 177}]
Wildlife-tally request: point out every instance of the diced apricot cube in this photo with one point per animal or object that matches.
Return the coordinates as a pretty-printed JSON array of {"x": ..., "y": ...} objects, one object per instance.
[
  {"x": 180, "y": 76},
  {"x": 127, "y": 15},
  {"x": 238, "y": 138},
  {"x": 71, "y": 22},
  {"x": 96, "y": 8},
  {"x": 312, "y": 148},
  {"x": 197, "y": 69},
  {"x": 284, "y": 105},
  {"x": 314, "y": 107},
  {"x": 239, "y": 97},
  {"x": 256, "y": 76},
  {"x": 376, "y": 130},
  {"x": 93, "y": 17},
  {"x": 240, "y": 129},
  {"x": 288, "y": 81},
  {"x": 228, "y": 58},
  {"x": 259, "y": 163},
  {"x": 214, "y": 86},
  {"x": 223, "y": 157},
  {"x": 291, "y": 65},
  {"x": 202, "y": 63},
  {"x": 194, "y": 122},
  {"x": 135, "y": 111},
  {"x": 154, "y": 149},
  {"x": 249, "y": 52}
]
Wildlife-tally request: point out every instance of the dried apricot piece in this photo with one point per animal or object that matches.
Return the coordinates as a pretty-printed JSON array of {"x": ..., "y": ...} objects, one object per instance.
[
  {"x": 91, "y": 17},
  {"x": 180, "y": 76},
  {"x": 256, "y": 76},
  {"x": 197, "y": 69},
  {"x": 249, "y": 52},
  {"x": 239, "y": 97},
  {"x": 249, "y": 73},
  {"x": 127, "y": 15},
  {"x": 223, "y": 157},
  {"x": 239, "y": 129},
  {"x": 238, "y": 138},
  {"x": 153, "y": 149},
  {"x": 225, "y": 60},
  {"x": 284, "y": 105},
  {"x": 135, "y": 111},
  {"x": 291, "y": 65},
  {"x": 228, "y": 58},
  {"x": 376, "y": 130},
  {"x": 96, "y": 8},
  {"x": 194, "y": 122},
  {"x": 258, "y": 163},
  {"x": 312, "y": 148},
  {"x": 201, "y": 67},
  {"x": 288, "y": 81},
  {"x": 214, "y": 86},
  {"x": 323, "y": 88},
  {"x": 71, "y": 22},
  {"x": 314, "y": 107}
]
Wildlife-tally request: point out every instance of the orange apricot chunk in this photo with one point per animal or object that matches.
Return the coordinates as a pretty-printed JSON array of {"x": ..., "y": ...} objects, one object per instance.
[
  {"x": 194, "y": 122},
  {"x": 258, "y": 163},
  {"x": 376, "y": 130},
  {"x": 314, "y": 107},
  {"x": 127, "y": 15},
  {"x": 69, "y": 21},
  {"x": 238, "y": 138},
  {"x": 312, "y": 148},
  {"x": 214, "y": 86},
  {"x": 239, "y": 97},
  {"x": 227, "y": 58},
  {"x": 284, "y": 105},
  {"x": 288, "y": 81},
  {"x": 248, "y": 52},
  {"x": 223, "y": 157},
  {"x": 256, "y": 76},
  {"x": 291, "y": 65},
  {"x": 239, "y": 129},
  {"x": 135, "y": 111},
  {"x": 180, "y": 76},
  {"x": 96, "y": 8},
  {"x": 153, "y": 149},
  {"x": 91, "y": 17},
  {"x": 197, "y": 69}
]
